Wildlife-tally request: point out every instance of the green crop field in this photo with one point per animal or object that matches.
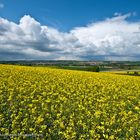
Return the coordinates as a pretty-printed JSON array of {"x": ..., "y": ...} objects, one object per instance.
[{"x": 56, "y": 104}]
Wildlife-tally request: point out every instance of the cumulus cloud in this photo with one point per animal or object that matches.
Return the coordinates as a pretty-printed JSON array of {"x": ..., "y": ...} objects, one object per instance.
[
  {"x": 111, "y": 39},
  {"x": 114, "y": 37}
]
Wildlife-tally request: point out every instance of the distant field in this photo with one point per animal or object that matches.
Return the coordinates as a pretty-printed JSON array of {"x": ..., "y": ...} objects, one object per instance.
[
  {"x": 66, "y": 104},
  {"x": 129, "y": 72}
]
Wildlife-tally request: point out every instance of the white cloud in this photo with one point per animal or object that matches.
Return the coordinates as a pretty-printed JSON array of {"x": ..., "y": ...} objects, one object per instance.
[
  {"x": 1, "y": 5},
  {"x": 113, "y": 38}
]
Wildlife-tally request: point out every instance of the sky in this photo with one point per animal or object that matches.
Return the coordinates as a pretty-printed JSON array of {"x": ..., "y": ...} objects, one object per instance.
[{"x": 70, "y": 30}]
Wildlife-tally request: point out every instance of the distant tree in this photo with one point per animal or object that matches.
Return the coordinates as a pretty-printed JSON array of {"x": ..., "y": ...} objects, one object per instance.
[
  {"x": 135, "y": 73},
  {"x": 97, "y": 69}
]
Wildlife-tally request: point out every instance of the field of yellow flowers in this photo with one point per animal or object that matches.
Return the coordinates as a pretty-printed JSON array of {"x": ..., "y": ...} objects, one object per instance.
[{"x": 45, "y": 103}]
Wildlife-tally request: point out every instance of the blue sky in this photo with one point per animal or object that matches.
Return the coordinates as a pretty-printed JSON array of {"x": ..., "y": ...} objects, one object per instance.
[
  {"x": 70, "y": 29},
  {"x": 66, "y": 14}
]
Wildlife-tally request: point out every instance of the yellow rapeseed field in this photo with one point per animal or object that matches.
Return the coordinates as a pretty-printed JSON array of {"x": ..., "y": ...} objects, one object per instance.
[{"x": 45, "y": 103}]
